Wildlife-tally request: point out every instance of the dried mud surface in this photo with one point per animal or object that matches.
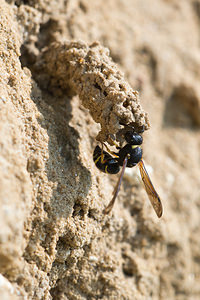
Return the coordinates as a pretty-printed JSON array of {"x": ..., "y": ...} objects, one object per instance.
[
  {"x": 89, "y": 72},
  {"x": 55, "y": 243}
]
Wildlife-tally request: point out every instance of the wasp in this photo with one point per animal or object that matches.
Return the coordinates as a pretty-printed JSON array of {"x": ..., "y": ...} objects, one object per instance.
[{"x": 128, "y": 156}]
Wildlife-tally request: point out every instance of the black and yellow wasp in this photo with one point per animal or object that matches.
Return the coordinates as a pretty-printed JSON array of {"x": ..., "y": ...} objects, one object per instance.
[{"x": 128, "y": 156}]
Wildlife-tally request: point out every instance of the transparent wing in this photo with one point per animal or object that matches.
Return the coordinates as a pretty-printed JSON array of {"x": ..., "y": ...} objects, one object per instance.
[
  {"x": 117, "y": 188},
  {"x": 151, "y": 192}
]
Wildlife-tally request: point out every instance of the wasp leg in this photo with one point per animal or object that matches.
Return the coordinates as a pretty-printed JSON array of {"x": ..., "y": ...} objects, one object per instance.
[
  {"x": 114, "y": 143},
  {"x": 117, "y": 188},
  {"x": 109, "y": 151},
  {"x": 103, "y": 161},
  {"x": 102, "y": 155}
]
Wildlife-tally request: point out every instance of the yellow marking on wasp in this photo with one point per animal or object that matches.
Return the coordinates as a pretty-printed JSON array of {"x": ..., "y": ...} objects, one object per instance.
[
  {"x": 102, "y": 159},
  {"x": 98, "y": 158},
  {"x": 135, "y": 146},
  {"x": 106, "y": 169}
]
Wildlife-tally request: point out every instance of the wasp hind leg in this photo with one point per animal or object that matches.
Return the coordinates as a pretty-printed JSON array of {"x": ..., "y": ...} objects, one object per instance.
[{"x": 117, "y": 188}]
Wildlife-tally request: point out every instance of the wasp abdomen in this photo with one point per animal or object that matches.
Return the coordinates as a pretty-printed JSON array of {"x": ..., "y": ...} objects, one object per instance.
[{"x": 105, "y": 162}]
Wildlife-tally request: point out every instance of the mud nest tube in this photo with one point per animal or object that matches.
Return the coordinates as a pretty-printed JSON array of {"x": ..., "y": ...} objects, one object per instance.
[{"x": 88, "y": 70}]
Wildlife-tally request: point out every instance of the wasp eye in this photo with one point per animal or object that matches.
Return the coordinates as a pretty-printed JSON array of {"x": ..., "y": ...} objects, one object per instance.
[{"x": 133, "y": 138}]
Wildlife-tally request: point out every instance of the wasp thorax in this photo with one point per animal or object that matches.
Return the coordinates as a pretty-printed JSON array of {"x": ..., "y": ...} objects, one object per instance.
[{"x": 133, "y": 153}]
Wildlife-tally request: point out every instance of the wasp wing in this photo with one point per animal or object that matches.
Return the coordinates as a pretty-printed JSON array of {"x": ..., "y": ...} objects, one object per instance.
[{"x": 151, "y": 192}]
